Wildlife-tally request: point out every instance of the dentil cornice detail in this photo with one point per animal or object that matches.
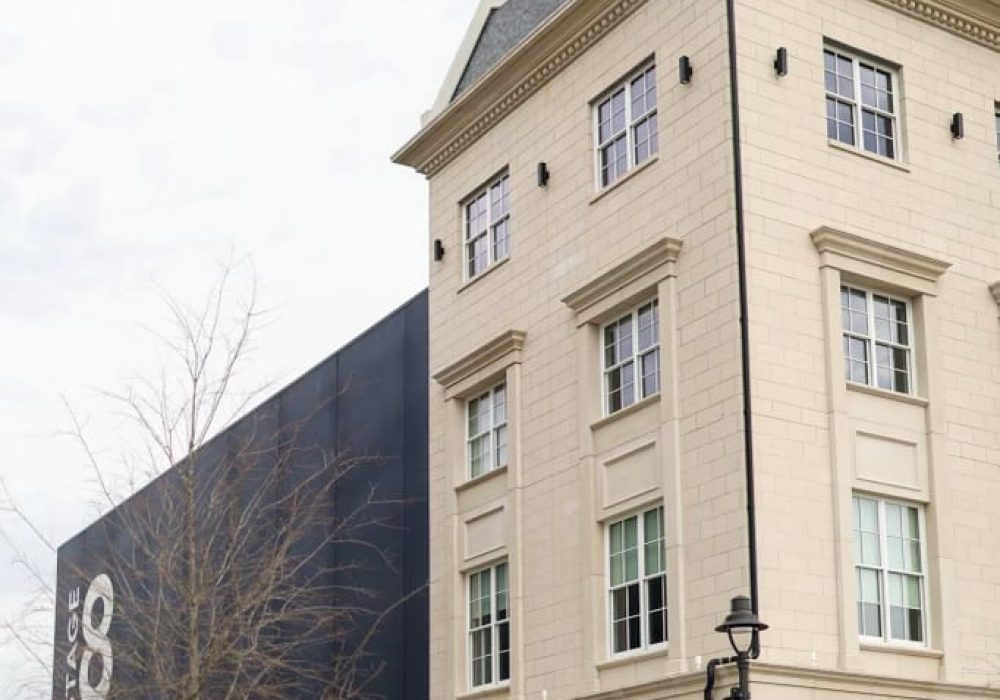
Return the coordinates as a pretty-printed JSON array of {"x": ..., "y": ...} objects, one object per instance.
[
  {"x": 981, "y": 30},
  {"x": 539, "y": 59}
]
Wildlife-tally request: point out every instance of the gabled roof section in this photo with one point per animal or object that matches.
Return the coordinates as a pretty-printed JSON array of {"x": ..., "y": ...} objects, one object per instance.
[
  {"x": 496, "y": 27},
  {"x": 505, "y": 25}
]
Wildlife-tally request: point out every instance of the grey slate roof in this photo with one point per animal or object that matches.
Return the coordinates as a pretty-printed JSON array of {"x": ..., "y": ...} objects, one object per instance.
[{"x": 505, "y": 26}]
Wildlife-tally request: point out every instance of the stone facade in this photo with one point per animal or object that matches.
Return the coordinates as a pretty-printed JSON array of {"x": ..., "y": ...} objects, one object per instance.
[{"x": 922, "y": 227}]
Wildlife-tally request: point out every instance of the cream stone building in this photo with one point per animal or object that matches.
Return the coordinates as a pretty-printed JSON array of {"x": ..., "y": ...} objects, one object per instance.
[{"x": 597, "y": 493}]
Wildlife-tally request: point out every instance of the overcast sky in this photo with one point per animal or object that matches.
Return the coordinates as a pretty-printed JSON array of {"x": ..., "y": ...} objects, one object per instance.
[{"x": 141, "y": 143}]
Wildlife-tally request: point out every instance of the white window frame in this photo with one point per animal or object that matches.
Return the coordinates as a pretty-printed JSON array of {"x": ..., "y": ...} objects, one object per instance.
[
  {"x": 872, "y": 342},
  {"x": 996, "y": 120},
  {"x": 857, "y": 106},
  {"x": 495, "y": 430},
  {"x": 493, "y": 627},
  {"x": 884, "y": 571},
  {"x": 643, "y": 580},
  {"x": 631, "y": 124},
  {"x": 494, "y": 221},
  {"x": 636, "y": 357}
]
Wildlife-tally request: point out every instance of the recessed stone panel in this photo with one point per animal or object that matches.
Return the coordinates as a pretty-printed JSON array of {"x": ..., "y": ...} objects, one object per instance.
[
  {"x": 485, "y": 533},
  {"x": 886, "y": 460},
  {"x": 629, "y": 474}
]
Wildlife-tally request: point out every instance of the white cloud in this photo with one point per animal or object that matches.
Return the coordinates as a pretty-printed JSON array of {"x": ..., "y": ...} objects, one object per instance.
[{"x": 142, "y": 142}]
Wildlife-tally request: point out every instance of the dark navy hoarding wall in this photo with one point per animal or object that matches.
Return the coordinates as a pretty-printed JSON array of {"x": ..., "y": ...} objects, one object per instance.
[{"x": 369, "y": 400}]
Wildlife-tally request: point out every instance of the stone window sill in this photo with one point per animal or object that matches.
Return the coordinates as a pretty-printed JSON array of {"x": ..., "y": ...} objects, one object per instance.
[
  {"x": 625, "y": 178},
  {"x": 469, "y": 282},
  {"x": 497, "y": 691},
  {"x": 488, "y": 476},
  {"x": 627, "y": 411},
  {"x": 898, "y": 165},
  {"x": 886, "y": 394},
  {"x": 904, "y": 649}
]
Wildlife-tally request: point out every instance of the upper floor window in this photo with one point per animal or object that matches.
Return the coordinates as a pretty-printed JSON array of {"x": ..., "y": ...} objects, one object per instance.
[
  {"x": 889, "y": 562},
  {"x": 486, "y": 220},
  {"x": 627, "y": 132},
  {"x": 632, "y": 357},
  {"x": 637, "y": 581},
  {"x": 996, "y": 119},
  {"x": 878, "y": 343},
  {"x": 487, "y": 431},
  {"x": 489, "y": 627},
  {"x": 861, "y": 93}
]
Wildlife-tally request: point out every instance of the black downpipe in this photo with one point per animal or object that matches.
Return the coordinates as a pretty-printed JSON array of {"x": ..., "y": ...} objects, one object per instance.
[{"x": 744, "y": 322}]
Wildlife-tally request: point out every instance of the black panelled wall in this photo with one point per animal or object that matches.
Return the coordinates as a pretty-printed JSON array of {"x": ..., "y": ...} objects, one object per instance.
[{"x": 368, "y": 401}]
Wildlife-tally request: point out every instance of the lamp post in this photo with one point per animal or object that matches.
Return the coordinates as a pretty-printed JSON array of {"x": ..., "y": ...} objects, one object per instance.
[{"x": 741, "y": 625}]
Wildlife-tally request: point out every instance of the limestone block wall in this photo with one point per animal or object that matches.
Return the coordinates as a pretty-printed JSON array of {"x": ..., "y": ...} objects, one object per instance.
[
  {"x": 820, "y": 440},
  {"x": 546, "y": 512}
]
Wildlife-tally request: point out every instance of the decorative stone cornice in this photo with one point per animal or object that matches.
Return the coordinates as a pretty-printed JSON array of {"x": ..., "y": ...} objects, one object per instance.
[
  {"x": 662, "y": 253},
  {"x": 808, "y": 680},
  {"x": 981, "y": 30},
  {"x": 830, "y": 241},
  {"x": 506, "y": 346},
  {"x": 533, "y": 63}
]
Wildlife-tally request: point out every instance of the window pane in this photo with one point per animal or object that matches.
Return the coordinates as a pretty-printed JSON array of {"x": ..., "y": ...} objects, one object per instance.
[
  {"x": 500, "y": 437},
  {"x": 651, "y": 373},
  {"x": 634, "y": 626},
  {"x": 631, "y": 552},
  {"x": 621, "y": 635},
  {"x": 657, "y": 619},
  {"x": 614, "y": 161},
  {"x": 870, "y": 549},
  {"x": 894, "y": 545},
  {"x": 649, "y": 326},
  {"x": 884, "y": 366},
  {"x": 915, "y": 624},
  {"x": 618, "y": 111},
  {"x": 624, "y": 337},
  {"x": 474, "y": 601},
  {"x": 901, "y": 370},
  {"x": 856, "y": 360},
  {"x": 640, "y": 137},
  {"x": 845, "y": 73},
  {"x": 845, "y": 123},
  {"x": 911, "y": 523},
  {"x": 499, "y": 405},
  {"x": 501, "y": 239},
  {"x": 503, "y": 651},
  {"x": 869, "y": 514},
  {"x": 501, "y": 594},
  {"x": 479, "y": 455},
  {"x": 870, "y": 592},
  {"x": 604, "y": 121},
  {"x": 611, "y": 345},
  {"x": 651, "y": 87}
]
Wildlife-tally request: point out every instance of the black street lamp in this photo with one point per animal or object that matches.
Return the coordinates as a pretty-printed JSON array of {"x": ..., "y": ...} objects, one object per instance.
[{"x": 742, "y": 626}]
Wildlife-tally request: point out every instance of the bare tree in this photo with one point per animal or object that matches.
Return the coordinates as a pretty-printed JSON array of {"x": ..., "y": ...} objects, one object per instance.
[{"x": 239, "y": 571}]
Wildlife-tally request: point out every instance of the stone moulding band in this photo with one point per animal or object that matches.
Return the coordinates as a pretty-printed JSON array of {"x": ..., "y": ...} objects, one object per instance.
[
  {"x": 505, "y": 347},
  {"x": 980, "y": 30}
]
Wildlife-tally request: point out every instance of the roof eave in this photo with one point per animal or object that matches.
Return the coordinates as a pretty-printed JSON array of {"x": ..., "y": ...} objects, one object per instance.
[{"x": 546, "y": 51}]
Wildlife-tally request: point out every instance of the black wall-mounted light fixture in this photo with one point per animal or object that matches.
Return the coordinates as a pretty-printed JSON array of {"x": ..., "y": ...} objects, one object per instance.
[
  {"x": 957, "y": 125},
  {"x": 684, "y": 70},
  {"x": 742, "y": 626},
  {"x": 543, "y": 174},
  {"x": 438, "y": 249},
  {"x": 781, "y": 61}
]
